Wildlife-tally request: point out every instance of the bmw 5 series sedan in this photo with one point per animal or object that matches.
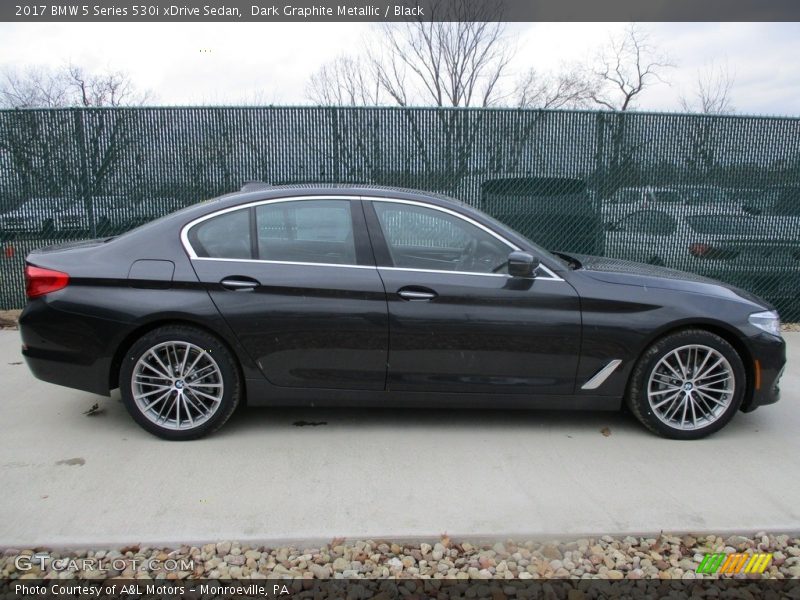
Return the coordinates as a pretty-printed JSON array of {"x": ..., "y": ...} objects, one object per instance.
[{"x": 323, "y": 296}]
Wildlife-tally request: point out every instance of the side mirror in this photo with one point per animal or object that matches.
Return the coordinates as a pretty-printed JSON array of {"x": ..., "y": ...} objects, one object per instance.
[{"x": 522, "y": 264}]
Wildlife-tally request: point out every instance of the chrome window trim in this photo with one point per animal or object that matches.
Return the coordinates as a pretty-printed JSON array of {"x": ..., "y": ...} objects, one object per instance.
[
  {"x": 285, "y": 262},
  {"x": 193, "y": 255},
  {"x": 551, "y": 276},
  {"x": 504, "y": 275}
]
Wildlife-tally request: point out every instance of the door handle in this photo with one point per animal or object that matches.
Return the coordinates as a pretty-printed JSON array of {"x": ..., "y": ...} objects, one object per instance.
[
  {"x": 239, "y": 284},
  {"x": 416, "y": 294}
]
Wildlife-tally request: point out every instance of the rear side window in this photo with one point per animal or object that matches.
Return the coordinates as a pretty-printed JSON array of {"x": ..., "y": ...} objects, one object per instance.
[
  {"x": 223, "y": 236},
  {"x": 313, "y": 231}
]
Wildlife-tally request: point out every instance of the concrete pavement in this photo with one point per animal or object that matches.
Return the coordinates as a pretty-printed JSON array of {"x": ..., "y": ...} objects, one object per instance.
[{"x": 70, "y": 479}]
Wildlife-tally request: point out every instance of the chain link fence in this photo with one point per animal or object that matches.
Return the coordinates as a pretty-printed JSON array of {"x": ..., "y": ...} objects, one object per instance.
[{"x": 715, "y": 195}]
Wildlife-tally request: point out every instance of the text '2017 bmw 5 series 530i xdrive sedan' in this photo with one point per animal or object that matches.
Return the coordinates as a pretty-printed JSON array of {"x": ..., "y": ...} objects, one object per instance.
[{"x": 364, "y": 296}]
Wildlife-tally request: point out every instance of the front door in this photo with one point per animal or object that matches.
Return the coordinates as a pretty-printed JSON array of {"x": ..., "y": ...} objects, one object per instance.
[
  {"x": 296, "y": 282},
  {"x": 458, "y": 322}
]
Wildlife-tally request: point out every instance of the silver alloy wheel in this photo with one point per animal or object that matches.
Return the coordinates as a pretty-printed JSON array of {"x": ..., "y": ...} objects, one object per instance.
[
  {"x": 177, "y": 385},
  {"x": 691, "y": 387}
]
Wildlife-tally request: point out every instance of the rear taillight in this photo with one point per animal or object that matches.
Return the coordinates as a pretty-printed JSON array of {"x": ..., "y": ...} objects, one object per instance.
[
  {"x": 700, "y": 250},
  {"x": 39, "y": 281},
  {"x": 708, "y": 251}
]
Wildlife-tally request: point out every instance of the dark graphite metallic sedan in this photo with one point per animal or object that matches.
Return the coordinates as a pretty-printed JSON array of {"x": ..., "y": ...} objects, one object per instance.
[{"x": 381, "y": 297}]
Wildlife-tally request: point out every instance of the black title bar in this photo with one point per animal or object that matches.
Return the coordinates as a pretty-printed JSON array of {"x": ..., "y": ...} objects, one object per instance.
[{"x": 398, "y": 10}]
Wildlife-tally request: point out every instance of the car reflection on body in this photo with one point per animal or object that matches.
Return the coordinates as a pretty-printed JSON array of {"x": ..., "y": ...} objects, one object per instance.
[{"x": 366, "y": 296}]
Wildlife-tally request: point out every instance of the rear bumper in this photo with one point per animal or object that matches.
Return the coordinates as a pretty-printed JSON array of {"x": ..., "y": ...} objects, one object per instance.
[
  {"x": 58, "y": 369},
  {"x": 64, "y": 348}
]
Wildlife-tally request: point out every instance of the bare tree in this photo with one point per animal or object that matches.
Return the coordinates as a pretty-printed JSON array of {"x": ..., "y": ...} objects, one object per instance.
[
  {"x": 35, "y": 87},
  {"x": 456, "y": 57},
  {"x": 712, "y": 94},
  {"x": 570, "y": 88},
  {"x": 345, "y": 81},
  {"x": 627, "y": 66},
  {"x": 71, "y": 85},
  {"x": 74, "y": 153},
  {"x": 109, "y": 88}
]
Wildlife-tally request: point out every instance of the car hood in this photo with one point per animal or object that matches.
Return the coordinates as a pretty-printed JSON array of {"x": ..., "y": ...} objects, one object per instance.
[{"x": 624, "y": 272}]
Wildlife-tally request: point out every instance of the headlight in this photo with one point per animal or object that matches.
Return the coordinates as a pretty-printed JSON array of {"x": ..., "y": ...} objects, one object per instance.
[{"x": 767, "y": 320}]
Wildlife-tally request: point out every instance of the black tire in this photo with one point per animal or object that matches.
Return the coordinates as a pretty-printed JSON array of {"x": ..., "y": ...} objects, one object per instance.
[
  {"x": 216, "y": 353},
  {"x": 637, "y": 398}
]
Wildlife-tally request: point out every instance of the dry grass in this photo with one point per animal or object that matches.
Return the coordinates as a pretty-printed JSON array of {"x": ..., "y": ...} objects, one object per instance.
[{"x": 8, "y": 319}]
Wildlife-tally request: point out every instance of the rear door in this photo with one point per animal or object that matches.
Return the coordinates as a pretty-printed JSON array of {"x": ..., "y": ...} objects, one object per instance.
[{"x": 296, "y": 281}]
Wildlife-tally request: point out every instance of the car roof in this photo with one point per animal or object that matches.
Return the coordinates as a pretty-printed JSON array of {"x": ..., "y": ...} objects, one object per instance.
[
  {"x": 341, "y": 189},
  {"x": 253, "y": 192}
]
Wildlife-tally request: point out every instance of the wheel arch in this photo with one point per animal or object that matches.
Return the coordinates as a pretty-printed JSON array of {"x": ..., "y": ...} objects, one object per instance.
[
  {"x": 723, "y": 330},
  {"x": 144, "y": 328}
]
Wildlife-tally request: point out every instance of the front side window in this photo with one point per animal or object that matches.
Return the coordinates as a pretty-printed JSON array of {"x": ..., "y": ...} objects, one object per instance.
[
  {"x": 315, "y": 231},
  {"x": 224, "y": 236},
  {"x": 425, "y": 238}
]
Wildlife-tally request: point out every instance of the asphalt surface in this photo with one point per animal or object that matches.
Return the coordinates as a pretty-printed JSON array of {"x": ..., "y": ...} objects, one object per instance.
[{"x": 71, "y": 479}]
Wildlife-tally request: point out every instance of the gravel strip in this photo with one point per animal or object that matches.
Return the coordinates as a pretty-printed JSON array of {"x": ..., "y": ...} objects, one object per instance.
[{"x": 663, "y": 557}]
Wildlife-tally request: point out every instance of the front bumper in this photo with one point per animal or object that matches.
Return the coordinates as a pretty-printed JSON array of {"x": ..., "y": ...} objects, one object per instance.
[{"x": 769, "y": 362}]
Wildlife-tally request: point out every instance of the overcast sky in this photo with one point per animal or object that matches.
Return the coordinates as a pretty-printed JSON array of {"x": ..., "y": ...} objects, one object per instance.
[{"x": 272, "y": 62}]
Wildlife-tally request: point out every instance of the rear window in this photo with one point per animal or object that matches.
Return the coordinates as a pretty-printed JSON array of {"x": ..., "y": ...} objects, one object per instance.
[{"x": 223, "y": 236}]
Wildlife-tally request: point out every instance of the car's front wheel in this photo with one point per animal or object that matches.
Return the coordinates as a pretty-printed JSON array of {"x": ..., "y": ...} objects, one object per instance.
[
  {"x": 179, "y": 382},
  {"x": 687, "y": 385}
]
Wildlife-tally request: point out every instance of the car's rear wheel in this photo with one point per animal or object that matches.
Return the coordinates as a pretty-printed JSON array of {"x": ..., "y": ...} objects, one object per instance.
[
  {"x": 179, "y": 382},
  {"x": 687, "y": 385}
]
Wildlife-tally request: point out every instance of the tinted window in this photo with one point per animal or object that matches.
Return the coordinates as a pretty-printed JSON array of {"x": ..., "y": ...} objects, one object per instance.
[
  {"x": 648, "y": 222},
  {"x": 424, "y": 238},
  {"x": 627, "y": 196},
  {"x": 317, "y": 231},
  {"x": 667, "y": 196},
  {"x": 729, "y": 225},
  {"x": 224, "y": 236}
]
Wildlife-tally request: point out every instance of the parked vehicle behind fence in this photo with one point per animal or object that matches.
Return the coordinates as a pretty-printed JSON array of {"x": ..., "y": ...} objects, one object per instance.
[
  {"x": 534, "y": 204},
  {"x": 32, "y": 217},
  {"x": 777, "y": 200},
  {"x": 760, "y": 252},
  {"x": 82, "y": 218}
]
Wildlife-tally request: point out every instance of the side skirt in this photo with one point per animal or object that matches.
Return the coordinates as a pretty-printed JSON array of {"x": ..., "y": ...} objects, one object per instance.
[{"x": 261, "y": 393}]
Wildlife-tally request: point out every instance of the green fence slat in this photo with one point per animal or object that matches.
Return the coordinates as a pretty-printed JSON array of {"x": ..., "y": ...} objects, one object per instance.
[{"x": 651, "y": 187}]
